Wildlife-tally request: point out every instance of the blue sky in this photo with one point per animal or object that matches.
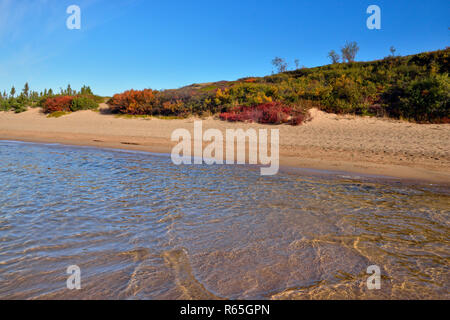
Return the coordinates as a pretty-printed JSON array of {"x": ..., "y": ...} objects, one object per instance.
[{"x": 163, "y": 44}]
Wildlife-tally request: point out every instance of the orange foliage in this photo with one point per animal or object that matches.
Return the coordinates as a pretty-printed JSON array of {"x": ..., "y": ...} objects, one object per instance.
[
  {"x": 137, "y": 102},
  {"x": 61, "y": 103}
]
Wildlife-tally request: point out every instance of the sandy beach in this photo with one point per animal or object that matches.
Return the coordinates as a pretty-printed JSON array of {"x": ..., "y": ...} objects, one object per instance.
[{"x": 362, "y": 145}]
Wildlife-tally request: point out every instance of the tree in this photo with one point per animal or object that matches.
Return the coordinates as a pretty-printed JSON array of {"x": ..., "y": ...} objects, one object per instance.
[
  {"x": 69, "y": 90},
  {"x": 335, "y": 58},
  {"x": 393, "y": 50},
  {"x": 349, "y": 51},
  {"x": 12, "y": 92},
  {"x": 297, "y": 64},
  {"x": 86, "y": 90},
  {"x": 280, "y": 64},
  {"x": 26, "y": 90}
]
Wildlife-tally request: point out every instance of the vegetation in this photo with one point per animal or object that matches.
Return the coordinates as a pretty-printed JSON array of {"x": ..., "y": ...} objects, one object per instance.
[
  {"x": 67, "y": 100},
  {"x": 57, "y": 114},
  {"x": 349, "y": 52},
  {"x": 270, "y": 113},
  {"x": 335, "y": 57},
  {"x": 415, "y": 88},
  {"x": 83, "y": 103},
  {"x": 281, "y": 64}
]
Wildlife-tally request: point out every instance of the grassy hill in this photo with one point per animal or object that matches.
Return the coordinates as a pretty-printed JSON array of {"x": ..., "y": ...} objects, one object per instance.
[{"x": 413, "y": 87}]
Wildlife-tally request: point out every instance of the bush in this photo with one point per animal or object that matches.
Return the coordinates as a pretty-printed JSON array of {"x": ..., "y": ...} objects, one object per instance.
[
  {"x": 4, "y": 105},
  {"x": 83, "y": 103},
  {"x": 61, "y": 103},
  {"x": 268, "y": 113},
  {"x": 422, "y": 100},
  {"x": 134, "y": 102},
  {"x": 428, "y": 99}
]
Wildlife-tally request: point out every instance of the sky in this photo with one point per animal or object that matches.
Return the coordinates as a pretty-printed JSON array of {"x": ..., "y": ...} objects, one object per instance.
[{"x": 164, "y": 44}]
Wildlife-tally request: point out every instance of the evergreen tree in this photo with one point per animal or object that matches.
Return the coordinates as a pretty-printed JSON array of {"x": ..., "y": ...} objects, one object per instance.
[
  {"x": 26, "y": 90},
  {"x": 86, "y": 90}
]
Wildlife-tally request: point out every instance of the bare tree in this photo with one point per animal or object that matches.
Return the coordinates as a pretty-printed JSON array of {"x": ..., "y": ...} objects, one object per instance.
[
  {"x": 335, "y": 58},
  {"x": 349, "y": 51},
  {"x": 392, "y": 50},
  {"x": 280, "y": 64},
  {"x": 297, "y": 64}
]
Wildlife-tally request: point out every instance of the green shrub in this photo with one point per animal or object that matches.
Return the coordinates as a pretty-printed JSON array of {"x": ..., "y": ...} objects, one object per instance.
[
  {"x": 423, "y": 100},
  {"x": 4, "y": 105},
  {"x": 83, "y": 103}
]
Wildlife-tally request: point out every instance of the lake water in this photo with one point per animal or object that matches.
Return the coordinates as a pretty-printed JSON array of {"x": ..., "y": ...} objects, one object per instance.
[{"x": 141, "y": 228}]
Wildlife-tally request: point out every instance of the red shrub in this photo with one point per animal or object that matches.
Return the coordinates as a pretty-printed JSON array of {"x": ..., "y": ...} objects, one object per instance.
[
  {"x": 61, "y": 103},
  {"x": 137, "y": 102},
  {"x": 269, "y": 113}
]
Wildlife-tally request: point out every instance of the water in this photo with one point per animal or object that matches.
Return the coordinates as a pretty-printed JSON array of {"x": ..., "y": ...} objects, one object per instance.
[{"x": 142, "y": 228}]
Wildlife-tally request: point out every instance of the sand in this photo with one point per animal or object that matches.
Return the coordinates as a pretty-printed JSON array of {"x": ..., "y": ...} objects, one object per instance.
[{"x": 362, "y": 145}]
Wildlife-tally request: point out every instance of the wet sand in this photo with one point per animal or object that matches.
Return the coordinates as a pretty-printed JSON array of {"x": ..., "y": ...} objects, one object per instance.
[{"x": 362, "y": 145}]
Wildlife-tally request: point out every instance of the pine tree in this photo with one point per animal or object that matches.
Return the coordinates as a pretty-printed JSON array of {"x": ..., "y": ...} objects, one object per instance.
[
  {"x": 26, "y": 90},
  {"x": 86, "y": 90}
]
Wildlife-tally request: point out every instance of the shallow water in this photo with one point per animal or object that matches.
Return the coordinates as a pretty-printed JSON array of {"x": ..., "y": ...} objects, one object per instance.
[{"x": 142, "y": 228}]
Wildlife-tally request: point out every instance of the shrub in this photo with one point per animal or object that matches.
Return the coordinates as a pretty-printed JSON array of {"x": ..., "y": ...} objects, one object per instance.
[
  {"x": 267, "y": 113},
  {"x": 83, "y": 103},
  {"x": 4, "y": 105},
  {"x": 134, "y": 102},
  {"x": 422, "y": 100},
  {"x": 61, "y": 103},
  {"x": 345, "y": 97}
]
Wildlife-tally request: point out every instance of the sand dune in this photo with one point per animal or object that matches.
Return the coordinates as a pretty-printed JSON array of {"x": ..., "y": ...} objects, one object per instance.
[{"x": 341, "y": 143}]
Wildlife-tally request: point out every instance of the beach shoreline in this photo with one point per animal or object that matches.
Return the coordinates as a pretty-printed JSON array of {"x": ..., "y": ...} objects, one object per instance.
[{"x": 353, "y": 144}]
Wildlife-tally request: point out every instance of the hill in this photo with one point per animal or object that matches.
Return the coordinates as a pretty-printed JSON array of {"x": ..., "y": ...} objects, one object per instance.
[{"x": 414, "y": 87}]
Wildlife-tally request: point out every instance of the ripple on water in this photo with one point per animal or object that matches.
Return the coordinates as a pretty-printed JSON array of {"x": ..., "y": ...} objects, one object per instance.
[{"x": 142, "y": 228}]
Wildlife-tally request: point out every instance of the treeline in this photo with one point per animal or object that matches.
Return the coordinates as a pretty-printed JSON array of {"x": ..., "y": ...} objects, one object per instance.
[
  {"x": 415, "y": 87},
  {"x": 65, "y": 100}
]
